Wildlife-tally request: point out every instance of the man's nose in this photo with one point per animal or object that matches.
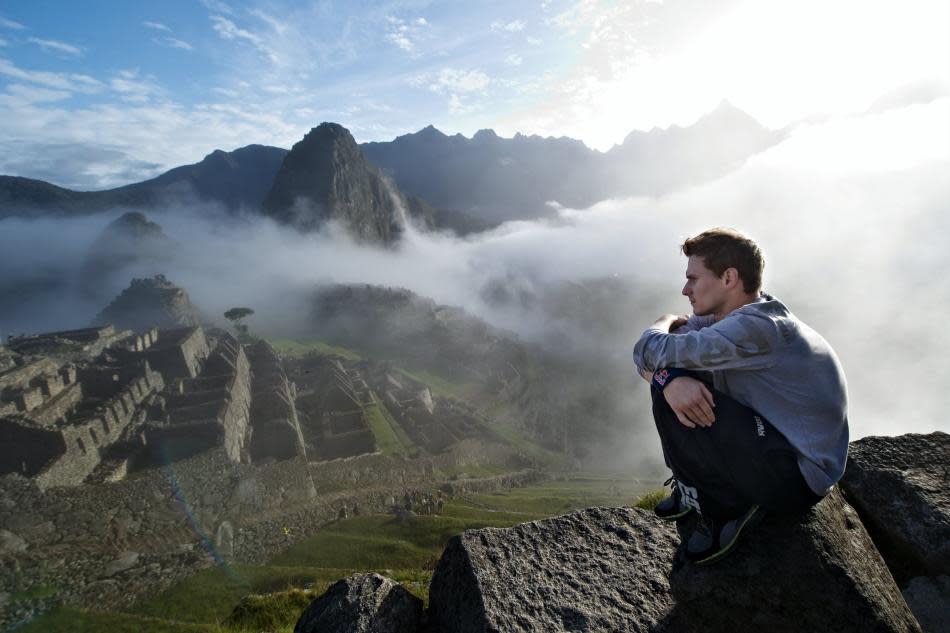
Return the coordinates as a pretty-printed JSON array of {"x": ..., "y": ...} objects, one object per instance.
[{"x": 686, "y": 290}]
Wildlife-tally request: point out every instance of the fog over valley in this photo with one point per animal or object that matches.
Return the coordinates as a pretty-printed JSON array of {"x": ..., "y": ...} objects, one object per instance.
[{"x": 850, "y": 212}]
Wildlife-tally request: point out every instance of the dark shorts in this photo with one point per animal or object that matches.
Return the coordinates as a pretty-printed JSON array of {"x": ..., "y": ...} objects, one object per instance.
[{"x": 739, "y": 461}]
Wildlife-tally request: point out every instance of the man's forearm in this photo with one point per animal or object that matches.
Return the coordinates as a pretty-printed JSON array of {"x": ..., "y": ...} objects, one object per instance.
[
  {"x": 648, "y": 376},
  {"x": 664, "y": 324}
]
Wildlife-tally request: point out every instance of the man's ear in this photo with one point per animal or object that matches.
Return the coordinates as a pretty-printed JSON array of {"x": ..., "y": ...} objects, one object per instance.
[{"x": 730, "y": 277}]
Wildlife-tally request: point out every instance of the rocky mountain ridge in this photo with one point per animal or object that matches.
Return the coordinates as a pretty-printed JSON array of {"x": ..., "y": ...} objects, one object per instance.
[
  {"x": 238, "y": 180},
  {"x": 466, "y": 185},
  {"x": 498, "y": 179}
]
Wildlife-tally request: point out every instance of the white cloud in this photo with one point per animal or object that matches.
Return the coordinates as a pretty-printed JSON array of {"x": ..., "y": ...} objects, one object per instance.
[
  {"x": 20, "y": 95},
  {"x": 54, "y": 45},
  {"x": 167, "y": 40},
  {"x": 405, "y": 34},
  {"x": 61, "y": 81},
  {"x": 218, "y": 6},
  {"x": 3, "y": 42},
  {"x": 514, "y": 60},
  {"x": 460, "y": 86},
  {"x": 400, "y": 40},
  {"x": 144, "y": 139},
  {"x": 534, "y": 41},
  {"x": 132, "y": 89},
  {"x": 10, "y": 24},
  {"x": 158, "y": 26},
  {"x": 278, "y": 26},
  {"x": 454, "y": 80},
  {"x": 513, "y": 26},
  {"x": 230, "y": 31},
  {"x": 173, "y": 42}
]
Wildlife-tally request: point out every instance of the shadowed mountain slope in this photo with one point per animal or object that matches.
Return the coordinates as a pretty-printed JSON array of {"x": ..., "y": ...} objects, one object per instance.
[
  {"x": 325, "y": 177},
  {"x": 237, "y": 179},
  {"x": 132, "y": 239},
  {"x": 498, "y": 179}
]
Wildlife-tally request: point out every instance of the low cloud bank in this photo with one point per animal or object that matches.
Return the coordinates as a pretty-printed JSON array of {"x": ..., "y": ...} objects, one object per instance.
[{"x": 851, "y": 214}]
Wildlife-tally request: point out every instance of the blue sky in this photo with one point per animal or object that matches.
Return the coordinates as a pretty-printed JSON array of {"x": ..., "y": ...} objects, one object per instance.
[{"x": 98, "y": 94}]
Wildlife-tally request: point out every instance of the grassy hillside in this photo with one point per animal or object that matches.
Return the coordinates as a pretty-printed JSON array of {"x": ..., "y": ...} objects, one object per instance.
[{"x": 405, "y": 550}]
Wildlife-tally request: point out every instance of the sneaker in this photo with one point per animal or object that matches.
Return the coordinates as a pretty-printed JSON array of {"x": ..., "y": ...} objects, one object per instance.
[
  {"x": 672, "y": 507},
  {"x": 712, "y": 539}
]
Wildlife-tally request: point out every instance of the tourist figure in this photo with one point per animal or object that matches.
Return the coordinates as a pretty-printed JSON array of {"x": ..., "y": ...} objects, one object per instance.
[{"x": 749, "y": 402}]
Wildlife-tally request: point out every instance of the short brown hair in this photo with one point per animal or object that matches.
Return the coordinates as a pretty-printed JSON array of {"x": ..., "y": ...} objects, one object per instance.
[{"x": 723, "y": 248}]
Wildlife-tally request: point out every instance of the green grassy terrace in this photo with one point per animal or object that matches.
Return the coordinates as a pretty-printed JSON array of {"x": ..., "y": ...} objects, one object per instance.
[{"x": 271, "y": 597}]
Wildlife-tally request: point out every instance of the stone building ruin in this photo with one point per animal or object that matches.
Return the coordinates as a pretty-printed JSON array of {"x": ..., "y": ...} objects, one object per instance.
[
  {"x": 335, "y": 395},
  {"x": 90, "y": 405}
]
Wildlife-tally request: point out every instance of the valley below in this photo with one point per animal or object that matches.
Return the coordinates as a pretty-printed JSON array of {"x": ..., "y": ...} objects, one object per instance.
[{"x": 269, "y": 596}]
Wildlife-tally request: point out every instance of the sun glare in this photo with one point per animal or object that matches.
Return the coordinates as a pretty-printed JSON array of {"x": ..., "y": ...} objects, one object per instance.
[{"x": 778, "y": 61}]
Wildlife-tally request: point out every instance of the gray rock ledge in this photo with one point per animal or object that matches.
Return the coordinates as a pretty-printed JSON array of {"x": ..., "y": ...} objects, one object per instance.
[
  {"x": 901, "y": 488},
  {"x": 363, "y": 603},
  {"x": 618, "y": 569}
]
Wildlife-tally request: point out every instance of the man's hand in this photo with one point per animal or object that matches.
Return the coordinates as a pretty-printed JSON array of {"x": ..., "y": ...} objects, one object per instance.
[
  {"x": 691, "y": 401},
  {"x": 669, "y": 322}
]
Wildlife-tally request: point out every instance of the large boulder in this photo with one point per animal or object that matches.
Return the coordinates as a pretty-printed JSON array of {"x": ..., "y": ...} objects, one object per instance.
[
  {"x": 929, "y": 599},
  {"x": 599, "y": 569},
  {"x": 816, "y": 572},
  {"x": 901, "y": 488},
  {"x": 363, "y": 603},
  {"x": 618, "y": 569}
]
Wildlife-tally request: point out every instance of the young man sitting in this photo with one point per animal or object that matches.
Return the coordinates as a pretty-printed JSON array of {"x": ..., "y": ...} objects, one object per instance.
[{"x": 749, "y": 402}]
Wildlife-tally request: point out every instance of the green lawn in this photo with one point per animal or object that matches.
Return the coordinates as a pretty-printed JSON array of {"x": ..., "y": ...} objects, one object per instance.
[
  {"x": 388, "y": 441},
  {"x": 405, "y": 550},
  {"x": 544, "y": 456},
  {"x": 441, "y": 386},
  {"x": 298, "y": 347}
]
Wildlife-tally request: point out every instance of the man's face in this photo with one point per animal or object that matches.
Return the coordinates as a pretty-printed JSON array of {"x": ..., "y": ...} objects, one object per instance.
[{"x": 705, "y": 290}]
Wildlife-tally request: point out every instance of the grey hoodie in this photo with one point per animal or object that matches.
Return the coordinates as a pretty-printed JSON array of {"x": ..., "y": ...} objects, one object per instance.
[{"x": 765, "y": 358}]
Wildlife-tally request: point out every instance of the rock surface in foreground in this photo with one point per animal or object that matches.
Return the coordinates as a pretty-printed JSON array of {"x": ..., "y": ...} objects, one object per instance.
[
  {"x": 599, "y": 569},
  {"x": 609, "y": 569},
  {"x": 363, "y": 603},
  {"x": 820, "y": 572},
  {"x": 901, "y": 488},
  {"x": 929, "y": 599}
]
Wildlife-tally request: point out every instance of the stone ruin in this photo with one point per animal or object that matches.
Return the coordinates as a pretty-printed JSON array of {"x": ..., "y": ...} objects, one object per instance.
[
  {"x": 89, "y": 405},
  {"x": 334, "y": 396},
  {"x": 92, "y": 405},
  {"x": 275, "y": 432},
  {"x": 430, "y": 423},
  {"x": 126, "y": 454},
  {"x": 60, "y": 411}
]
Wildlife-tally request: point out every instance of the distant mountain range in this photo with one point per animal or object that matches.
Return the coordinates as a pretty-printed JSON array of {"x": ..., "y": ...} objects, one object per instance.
[
  {"x": 498, "y": 179},
  {"x": 466, "y": 185}
]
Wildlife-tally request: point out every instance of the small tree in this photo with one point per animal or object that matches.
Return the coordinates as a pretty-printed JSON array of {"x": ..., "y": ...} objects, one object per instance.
[{"x": 236, "y": 316}]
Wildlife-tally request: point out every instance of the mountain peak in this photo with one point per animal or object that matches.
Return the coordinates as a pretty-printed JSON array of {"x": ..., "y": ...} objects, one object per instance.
[
  {"x": 431, "y": 131},
  {"x": 328, "y": 130},
  {"x": 729, "y": 114},
  {"x": 485, "y": 135},
  {"x": 134, "y": 224},
  {"x": 326, "y": 177},
  {"x": 149, "y": 302}
]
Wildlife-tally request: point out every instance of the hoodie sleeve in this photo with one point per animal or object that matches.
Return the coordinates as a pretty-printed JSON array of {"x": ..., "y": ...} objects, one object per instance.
[{"x": 742, "y": 340}]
